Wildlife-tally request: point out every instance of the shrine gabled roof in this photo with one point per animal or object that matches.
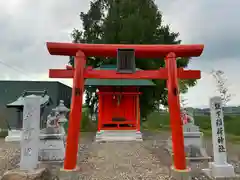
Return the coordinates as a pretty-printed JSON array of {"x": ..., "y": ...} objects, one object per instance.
[{"x": 117, "y": 82}]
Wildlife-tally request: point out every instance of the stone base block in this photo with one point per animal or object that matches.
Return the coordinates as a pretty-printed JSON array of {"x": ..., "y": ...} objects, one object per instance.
[
  {"x": 13, "y": 136},
  {"x": 225, "y": 171},
  {"x": 180, "y": 174},
  {"x": 118, "y": 135},
  {"x": 51, "y": 150},
  {"x": 70, "y": 174}
]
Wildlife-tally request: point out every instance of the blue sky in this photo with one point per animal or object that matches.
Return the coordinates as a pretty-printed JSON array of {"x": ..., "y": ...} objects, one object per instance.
[{"x": 27, "y": 25}]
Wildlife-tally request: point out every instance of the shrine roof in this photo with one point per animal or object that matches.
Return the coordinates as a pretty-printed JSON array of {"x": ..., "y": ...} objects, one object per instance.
[{"x": 117, "y": 82}]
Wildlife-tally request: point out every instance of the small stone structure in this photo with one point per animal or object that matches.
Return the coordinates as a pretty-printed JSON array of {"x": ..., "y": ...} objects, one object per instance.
[
  {"x": 193, "y": 142},
  {"x": 50, "y": 140},
  {"x": 13, "y": 133},
  {"x": 219, "y": 168}
]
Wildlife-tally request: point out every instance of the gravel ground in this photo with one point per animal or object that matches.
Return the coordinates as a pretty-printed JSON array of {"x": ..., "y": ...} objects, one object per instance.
[
  {"x": 118, "y": 161},
  {"x": 9, "y": 156}
]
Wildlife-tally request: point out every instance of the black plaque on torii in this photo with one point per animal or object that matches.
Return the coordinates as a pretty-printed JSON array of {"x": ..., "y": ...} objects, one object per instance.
[{"x": 126, "y": 61}]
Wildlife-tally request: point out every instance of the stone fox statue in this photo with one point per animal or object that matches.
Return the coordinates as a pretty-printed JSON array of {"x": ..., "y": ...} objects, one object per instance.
[{"x": 186, "y": 118}]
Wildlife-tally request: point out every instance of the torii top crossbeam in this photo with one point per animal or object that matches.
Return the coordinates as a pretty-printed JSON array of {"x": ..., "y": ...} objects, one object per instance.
[{"x": 110, "y": 50}]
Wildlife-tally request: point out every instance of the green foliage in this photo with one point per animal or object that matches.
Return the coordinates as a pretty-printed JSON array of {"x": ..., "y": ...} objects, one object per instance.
[
  {"x": 3, "y": 133},
  {"x": 157, "y": 121},
  {"x": 129, "y": 22},
  {"x": 86, "y": 124}
]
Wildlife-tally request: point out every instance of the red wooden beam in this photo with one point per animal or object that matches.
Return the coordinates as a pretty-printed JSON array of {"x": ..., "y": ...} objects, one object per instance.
[
  {"x": 110, "y": 50},
  {"x": 112, "y": 74},
  {"x": 119, "y": 93}
]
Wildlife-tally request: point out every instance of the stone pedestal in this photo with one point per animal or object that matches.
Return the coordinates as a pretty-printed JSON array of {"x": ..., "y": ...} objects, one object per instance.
[
  {"x": 13, "y": 136},
  {"x": 223, "y": 171},
  {"x": 52, "y": 146},
  {"x": 51, "y": 150},
  {"x": 118, "y": 135},
  {"x": 193, "y": 143}
]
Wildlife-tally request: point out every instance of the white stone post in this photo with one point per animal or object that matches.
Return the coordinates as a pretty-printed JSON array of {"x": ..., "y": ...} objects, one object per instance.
[
  {"x": 218, "y": 133},
  {"x": 30, "y": 133},
  {"x": 219, "y": 168}
]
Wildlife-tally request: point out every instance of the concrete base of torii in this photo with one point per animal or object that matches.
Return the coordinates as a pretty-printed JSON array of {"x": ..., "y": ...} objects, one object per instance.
[
  {"x": 118, "y": 135},
  {"x": 180, "y": 174}
]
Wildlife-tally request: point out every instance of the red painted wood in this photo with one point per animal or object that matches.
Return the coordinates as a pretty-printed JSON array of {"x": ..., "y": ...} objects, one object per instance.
[
  {"x": 123, "y": 122},
  {"x": 110, "y": 50},
  {"x": 75, "y": 113},
  {"x": 100, "y": 102},
  {"x": 137, "y": 108},
  {"x": 121, "y": 128},
  {"x": 112, "y": 74},
  {"x": 174, "y": 112},
  {"x": 141, "y": 51},
  {"x": 125, "y": 109},
  {"x": 119, "y": 93}
]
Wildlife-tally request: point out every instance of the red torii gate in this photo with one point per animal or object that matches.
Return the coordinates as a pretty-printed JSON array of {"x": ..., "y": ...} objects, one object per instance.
[{"x": 79, "y": 73}]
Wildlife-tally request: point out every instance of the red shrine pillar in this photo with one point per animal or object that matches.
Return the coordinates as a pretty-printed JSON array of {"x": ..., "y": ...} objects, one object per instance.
[
  {"x": 174, "y": 111},
  {"x": 70, "y": 161},
  {"x": 100, "y": 96},
  {"x": 138, "y": 113}
]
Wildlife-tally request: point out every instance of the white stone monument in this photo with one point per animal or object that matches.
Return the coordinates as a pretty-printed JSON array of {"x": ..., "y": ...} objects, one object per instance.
[
  {"x": 219, "y": 168},
  {"x": 30, "y": 133}
]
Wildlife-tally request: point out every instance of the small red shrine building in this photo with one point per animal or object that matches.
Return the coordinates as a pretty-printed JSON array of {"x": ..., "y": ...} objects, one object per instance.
[{"x": 118, "y": 101}]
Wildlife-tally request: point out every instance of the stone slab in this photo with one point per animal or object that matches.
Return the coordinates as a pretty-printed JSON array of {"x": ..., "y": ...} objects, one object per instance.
[{"x": 123, "y": 135}]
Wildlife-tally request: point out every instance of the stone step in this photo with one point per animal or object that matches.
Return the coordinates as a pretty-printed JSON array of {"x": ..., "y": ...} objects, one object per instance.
[{"x": 127, "y": 135}]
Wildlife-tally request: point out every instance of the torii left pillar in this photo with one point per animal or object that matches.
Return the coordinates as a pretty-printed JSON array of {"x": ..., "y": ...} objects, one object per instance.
[{"x": 76, "y": 112}]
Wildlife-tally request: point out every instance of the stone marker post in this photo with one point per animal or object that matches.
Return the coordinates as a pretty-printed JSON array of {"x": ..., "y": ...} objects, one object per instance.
[
  {"x": 218, "y": 133},
  {"x": 219, "y": 168},
  {"x": 30, "y": 133}
]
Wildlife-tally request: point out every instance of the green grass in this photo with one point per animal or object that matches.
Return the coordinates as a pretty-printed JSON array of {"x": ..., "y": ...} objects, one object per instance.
[
  {"x": 87, "y": 125},
  {"x": 160, "y": 122},
  {"x": 3, "y": 134}
]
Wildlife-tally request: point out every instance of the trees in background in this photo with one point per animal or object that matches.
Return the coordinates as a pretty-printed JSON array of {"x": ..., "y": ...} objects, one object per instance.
[{"x": 129, "y": 22}]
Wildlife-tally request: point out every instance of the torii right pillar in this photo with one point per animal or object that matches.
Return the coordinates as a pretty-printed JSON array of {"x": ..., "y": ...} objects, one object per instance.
[{"x": 179, "y": 170}]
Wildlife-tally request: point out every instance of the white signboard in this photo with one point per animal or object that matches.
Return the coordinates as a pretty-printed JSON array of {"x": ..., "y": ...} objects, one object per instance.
[
  {"x": 218, "y": 133},
  {"x": 30, "y": 133}
]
